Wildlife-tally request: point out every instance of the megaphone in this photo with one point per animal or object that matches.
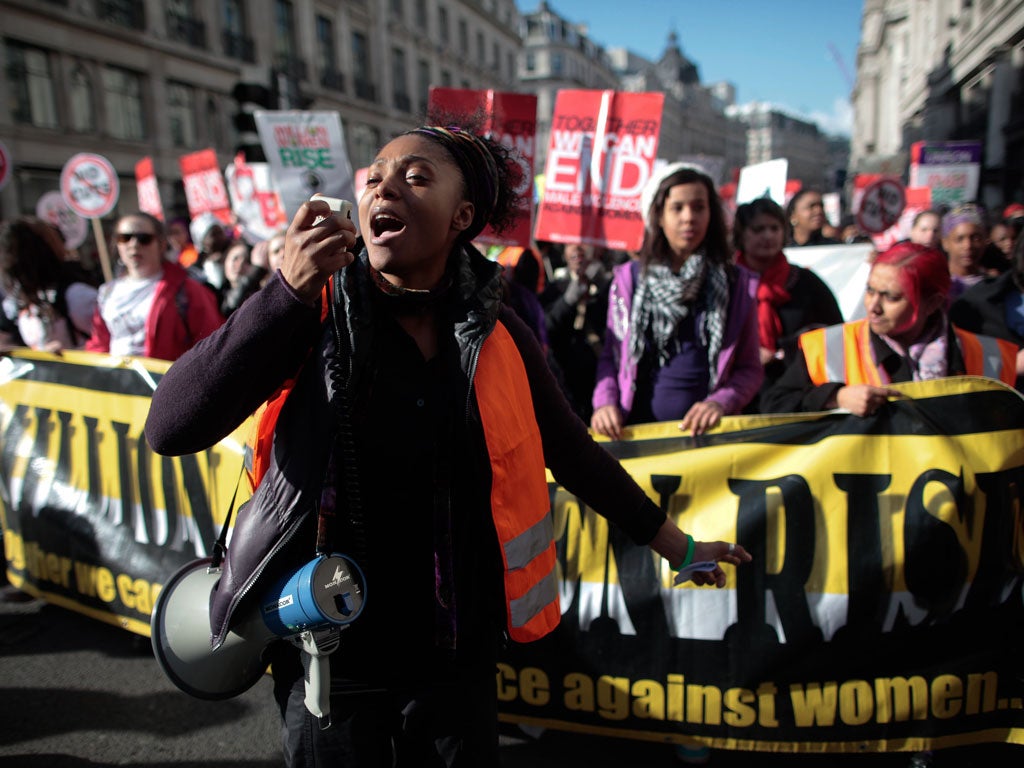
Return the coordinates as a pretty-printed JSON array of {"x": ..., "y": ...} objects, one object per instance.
[{"x": 328, "y": 592}]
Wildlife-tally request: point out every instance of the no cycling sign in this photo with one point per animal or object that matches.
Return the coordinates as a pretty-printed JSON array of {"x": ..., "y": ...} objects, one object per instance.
[
  {"x": 881, "y": 206},
  {"x": 89, "y": 185}
]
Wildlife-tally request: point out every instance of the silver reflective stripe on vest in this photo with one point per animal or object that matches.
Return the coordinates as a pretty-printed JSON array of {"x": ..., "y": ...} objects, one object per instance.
[
  {"x": 991, "y": 356},
  {"x": 530, "y": 543},
  {"x": 541, "y": 595},
  {"x": 835, "y": 353}
]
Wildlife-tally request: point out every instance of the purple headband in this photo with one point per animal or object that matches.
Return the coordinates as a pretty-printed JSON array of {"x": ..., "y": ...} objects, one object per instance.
[{"x": 962, "y": 214}]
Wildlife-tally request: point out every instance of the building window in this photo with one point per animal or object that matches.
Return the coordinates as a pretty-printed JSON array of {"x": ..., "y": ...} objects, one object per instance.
[
  {"x": 327, "y": 59},
  {"x": 481, "y": 53},
  {"x": 364, "y": 141},
  {"x": 361, "y": 70},
  {"x": 442, "y": 24},
  {"x": 286, "y": 58},
  {"x": 463, "y": 36},
  {"x": 399, "y": 80},
  {"x": 556, "y": 64},
  {"x": 237, "y": 44},
  {"x": 122, "y": 102},
  {"x": 398, "y": 9},
  {"x": 127, "y": 13},
  {"x": 496, "y": 63},
  {"x": 531, "y": 62},
  {"x": 422, "y": 84},
  {"x": 421, "y": 16},
  {"x": 181, "y": 114},
  {"x": 215, "y": 124},
  {"x": 28, "y": 73},
  {"x": 182, "y": 24},
  {"x": 81, "y": 107},
  {"x": 446, "y": 78}
]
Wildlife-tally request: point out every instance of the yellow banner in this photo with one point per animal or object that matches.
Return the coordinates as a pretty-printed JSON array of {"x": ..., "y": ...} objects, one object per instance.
[{"x": 882, "y": 610}]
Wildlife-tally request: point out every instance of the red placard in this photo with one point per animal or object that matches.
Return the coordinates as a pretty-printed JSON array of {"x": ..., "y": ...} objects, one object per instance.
[
  {"x": 511, "y": 118},
  {"x": 204, "y": 185},
  {"x": 89, "y": 185},
  {"x": 147, "y": 188},
  {"x": 601, "y": 154}
]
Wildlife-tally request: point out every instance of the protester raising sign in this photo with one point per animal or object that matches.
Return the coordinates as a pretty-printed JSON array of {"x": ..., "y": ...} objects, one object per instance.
[
  {"x": 510, "y": 118},
  {"x": 306, "y": 152},
  {"x": 601, "y": 154}
]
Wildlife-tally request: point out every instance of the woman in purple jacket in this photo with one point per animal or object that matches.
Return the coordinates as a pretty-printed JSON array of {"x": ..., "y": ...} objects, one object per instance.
[{"x": 681, "y": 339}]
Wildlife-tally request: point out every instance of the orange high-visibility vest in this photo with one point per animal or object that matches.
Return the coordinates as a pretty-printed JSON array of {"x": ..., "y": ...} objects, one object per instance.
[
  {"x": 520, "y": 504},
  {"x": 842, "y": 353}
]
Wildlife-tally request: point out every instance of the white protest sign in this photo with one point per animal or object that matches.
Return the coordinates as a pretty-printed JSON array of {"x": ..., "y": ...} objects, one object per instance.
[
  {"x": 89, "y": 185},
  {"x": 306, "y": 152},
  {"x": 767, "y": 179},
  {"x": 881, "y": 205},
  {"x": 52, "y": 207},
  {"x": 253, "y": 200},
  {"x": 950, "y": 169},
  {"x": 844, "y": 268}
]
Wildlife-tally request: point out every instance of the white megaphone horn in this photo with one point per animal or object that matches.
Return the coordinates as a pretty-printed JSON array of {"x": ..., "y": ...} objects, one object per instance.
[{"x": 327, "y": 592}]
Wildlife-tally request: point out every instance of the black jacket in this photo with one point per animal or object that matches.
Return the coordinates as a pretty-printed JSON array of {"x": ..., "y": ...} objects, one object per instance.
[{"x": 213, "y": 388}]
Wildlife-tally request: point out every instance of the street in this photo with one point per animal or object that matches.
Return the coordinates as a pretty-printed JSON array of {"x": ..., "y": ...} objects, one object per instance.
[{"x": 77, "y": 692}]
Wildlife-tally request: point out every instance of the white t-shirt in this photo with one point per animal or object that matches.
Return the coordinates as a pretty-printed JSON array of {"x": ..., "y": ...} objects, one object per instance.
[{"x": 124, "y": 306}]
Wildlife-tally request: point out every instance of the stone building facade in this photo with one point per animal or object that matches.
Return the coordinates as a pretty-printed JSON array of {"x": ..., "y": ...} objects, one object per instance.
[
  {"x": 134, "y": 78},
  {"x": 942, "y": 70}
]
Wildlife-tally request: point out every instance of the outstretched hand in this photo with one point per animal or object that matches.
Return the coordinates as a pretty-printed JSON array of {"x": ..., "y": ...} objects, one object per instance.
[
  {"x": 672, "y": 544},
  {"x": 717, "y": 552},
  {"x": 317, "y": 245}
]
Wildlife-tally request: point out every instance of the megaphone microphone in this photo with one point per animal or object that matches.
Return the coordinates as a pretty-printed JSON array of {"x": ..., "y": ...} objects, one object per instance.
[{"x": 308, "y": 607}]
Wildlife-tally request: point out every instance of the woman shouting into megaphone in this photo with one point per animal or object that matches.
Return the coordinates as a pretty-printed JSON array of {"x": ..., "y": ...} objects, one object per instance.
[{"x": 415, "y": 438}]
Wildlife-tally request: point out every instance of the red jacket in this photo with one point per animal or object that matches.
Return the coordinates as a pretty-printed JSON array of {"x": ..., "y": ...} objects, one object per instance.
[{"x": 183, "y": 312}]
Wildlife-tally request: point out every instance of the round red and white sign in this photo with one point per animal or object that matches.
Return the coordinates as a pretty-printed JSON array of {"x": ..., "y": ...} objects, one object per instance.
[
  {"x": 5, "y": 165},
  {"x": 89, "y": 185},
  {"x": 881, "y": 205}
]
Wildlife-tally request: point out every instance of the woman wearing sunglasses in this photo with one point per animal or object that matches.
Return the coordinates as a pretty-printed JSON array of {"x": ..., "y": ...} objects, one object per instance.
[{"x": 153, "y": 309}]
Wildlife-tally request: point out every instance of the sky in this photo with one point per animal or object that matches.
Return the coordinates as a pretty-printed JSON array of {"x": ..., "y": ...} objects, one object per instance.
[{"x": 799, "y": 55}]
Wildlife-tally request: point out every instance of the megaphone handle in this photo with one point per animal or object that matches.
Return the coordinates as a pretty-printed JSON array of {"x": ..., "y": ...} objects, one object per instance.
[{"x": 317, "y": 668}]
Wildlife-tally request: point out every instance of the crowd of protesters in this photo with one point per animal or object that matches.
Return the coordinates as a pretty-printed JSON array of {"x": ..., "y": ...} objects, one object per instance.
[
  {"x": 708, "y": 319},
  {"x": 674, "y": 341}
]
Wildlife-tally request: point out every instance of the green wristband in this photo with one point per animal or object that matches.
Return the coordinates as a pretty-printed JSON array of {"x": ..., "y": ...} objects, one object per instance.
[{"x": 689, "y": 554}]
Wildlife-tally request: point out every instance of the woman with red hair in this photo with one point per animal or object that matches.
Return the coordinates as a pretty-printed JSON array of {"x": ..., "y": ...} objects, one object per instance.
[{"x": 906, "y": 336}]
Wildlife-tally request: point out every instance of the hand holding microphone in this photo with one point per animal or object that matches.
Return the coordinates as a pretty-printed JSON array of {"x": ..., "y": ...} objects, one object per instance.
[{"x": 319, "y": 242}]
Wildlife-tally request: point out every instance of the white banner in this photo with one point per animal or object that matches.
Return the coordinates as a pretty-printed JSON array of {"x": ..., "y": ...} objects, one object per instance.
[{"x": 844, "y": 268}]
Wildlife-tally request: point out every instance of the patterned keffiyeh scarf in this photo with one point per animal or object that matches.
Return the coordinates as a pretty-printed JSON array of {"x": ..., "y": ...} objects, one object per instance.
[{"x": 662, "y": 300}]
